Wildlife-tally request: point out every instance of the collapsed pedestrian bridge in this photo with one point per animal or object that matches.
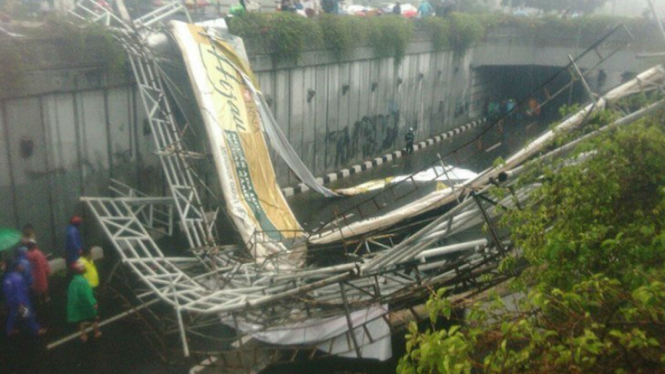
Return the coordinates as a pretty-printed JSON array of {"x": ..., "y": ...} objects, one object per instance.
[{"x": 333, "y": 290}]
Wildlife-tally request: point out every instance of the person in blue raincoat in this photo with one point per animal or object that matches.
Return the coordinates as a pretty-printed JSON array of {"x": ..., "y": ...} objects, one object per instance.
[
  {"x": 18, "y": 301},
  {"x": 73, "y": 243},
  {"x": 22, "y": 258}
]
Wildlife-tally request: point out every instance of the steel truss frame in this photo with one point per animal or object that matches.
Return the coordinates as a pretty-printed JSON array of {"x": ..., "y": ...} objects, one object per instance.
[
  {"x": 155, "y": 213},
  {"x": 215, "y": 286}
]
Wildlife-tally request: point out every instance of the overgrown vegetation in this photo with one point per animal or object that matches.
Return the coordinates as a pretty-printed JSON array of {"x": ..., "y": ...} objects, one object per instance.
[
  {"x": 91, "y": 40},
  {"x": 67, "y": 43},
  {"x": 583, "y": 30},
  {"x": 591, "y": 300},
  {"x": 387, "y": 35},
  {"x": 585, "y": 7},
  {"x": 286, "y": 35},
  {"x": 465, "y": 30}
]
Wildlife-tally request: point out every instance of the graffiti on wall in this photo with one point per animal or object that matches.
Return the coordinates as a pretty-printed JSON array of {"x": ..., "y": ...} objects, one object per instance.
[{"x": 366, "y": 138}]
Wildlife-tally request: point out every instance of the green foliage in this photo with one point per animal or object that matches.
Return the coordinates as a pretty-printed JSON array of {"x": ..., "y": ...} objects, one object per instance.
[
  {"x": 465, "y": 30},
  {"x": 566, "y": 110},
  {"x": 596, "y": 327},
  {"x": 340, "y": 33},
  {"x": 598, "y": 216},
  {"x": 286, "y": 36},
  {"x": 586, "y": 7},
  {"x": 592, "y": 300},
  {"x": 76, "y": 44},
  {"x": 552, "y": 30},
  {"x": 458, "y": 31},
  {"x": 439, "y": 32},
  {"x": 389, "y": 36}
]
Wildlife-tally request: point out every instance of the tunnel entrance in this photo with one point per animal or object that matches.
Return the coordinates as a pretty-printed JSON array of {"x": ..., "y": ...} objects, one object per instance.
[{"x": 524, "y": 82}]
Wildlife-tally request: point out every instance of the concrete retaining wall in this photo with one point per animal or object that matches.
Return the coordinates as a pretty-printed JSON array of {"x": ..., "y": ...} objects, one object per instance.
[
  {"x": 339, "y": 113},
  {"x": 71, "y": 127}
]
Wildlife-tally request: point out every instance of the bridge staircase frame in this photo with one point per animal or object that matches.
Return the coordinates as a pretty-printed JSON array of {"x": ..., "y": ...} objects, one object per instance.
[{"x": 214, "y": 285}]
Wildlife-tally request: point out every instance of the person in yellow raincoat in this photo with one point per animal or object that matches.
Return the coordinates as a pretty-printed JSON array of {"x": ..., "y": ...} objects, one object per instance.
[{"x": 90, "y": 268}]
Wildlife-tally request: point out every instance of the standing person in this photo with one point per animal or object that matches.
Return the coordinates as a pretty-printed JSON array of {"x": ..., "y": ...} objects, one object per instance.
[
  {"x": 21, "y": 256},
  {"x": 329, "y": 6},
  {"x": 510, "y": 105},
  {"x": 81, "y": 303},
  {"x": 90, "y": 274},
  {"x": 310, "y": 8},
  {"x": 397, "y": 9},
  {"x": 409, "y": 137},
  {"x": 425, "y": 9},
  {"x": 40, "y": 270},
  {"x": 73, "y": 244},
  {"x": 28, "y": 231},
  {"x": 287, "y": 6},
  {"x": 493, "y": 109},
  {"x": 18, "y": 301}
]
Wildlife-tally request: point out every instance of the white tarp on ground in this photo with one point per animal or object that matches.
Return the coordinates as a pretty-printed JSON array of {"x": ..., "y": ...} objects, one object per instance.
[
  {"x": 429, "y": 202},
  {"x": 450, "y": 176},
  {"x": 329, "y": 334}
]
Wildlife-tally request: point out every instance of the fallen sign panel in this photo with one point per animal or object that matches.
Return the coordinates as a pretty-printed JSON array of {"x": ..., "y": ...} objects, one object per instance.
[{"x": 231, "y": 118}]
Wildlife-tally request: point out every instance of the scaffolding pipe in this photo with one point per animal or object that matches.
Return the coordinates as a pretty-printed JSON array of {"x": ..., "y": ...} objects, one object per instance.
[
  {"x": 627, "y": 120},
  {"x": 105, "y": 322},
  {"x": 440, "y": 251}
]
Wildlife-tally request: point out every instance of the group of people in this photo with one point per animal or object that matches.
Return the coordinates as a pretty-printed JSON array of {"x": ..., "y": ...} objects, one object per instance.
[
  {"x": 425, "y": 9},
  {"x": 498, "y": 109},
  {"x": 309, "y": 8},
  {"x": 25, "y": 270}
]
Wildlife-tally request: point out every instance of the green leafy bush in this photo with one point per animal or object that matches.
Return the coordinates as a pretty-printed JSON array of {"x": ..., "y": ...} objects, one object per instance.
[
  {"x": 465, "y": 29},
  {"x": 285, "y": 35},
  {"x": 88, "y": 42},
  {"x": 596, "y": 327},
  {"x": 591, "y": 301},
  {"x": 341, "y": 34},
  {"x": 550, "y": 30},
  {"x": 389, "y": 36},
  {"x": 439, "y": 31}
]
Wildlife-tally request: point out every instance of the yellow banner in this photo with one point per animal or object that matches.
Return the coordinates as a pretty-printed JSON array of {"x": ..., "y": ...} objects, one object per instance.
[{"x": 246, "y": 151}]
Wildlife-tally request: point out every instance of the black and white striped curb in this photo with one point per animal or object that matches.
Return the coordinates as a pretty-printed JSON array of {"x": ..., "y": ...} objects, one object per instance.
[{"x": 366, "y": 165}]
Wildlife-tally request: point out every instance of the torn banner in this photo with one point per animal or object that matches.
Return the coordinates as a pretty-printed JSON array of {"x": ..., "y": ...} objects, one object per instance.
[{"x": 233, "y": 125}]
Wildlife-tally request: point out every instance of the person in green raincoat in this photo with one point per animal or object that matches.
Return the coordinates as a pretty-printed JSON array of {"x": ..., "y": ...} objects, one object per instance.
[{"x": 81, "y": 303}]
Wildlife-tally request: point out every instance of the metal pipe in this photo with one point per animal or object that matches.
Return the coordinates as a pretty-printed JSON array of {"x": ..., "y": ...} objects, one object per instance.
[
  {"x": 451, "y": 249},
  {"x": 627, "y": 120},
  {"x": 347, "y": 313},
  {"x": 75, "y": 335}
]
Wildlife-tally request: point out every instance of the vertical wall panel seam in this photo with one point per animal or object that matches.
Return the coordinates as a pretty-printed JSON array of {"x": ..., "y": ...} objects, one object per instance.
[
  {"x": 12, "y": 182},
  {"x": 109, "y": 139},
  {"x": 50, "y": 172},
  {"x": 77, "y": 131}
]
